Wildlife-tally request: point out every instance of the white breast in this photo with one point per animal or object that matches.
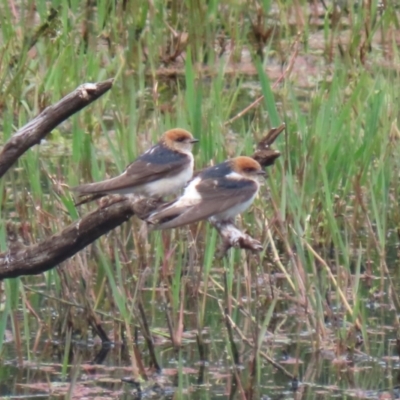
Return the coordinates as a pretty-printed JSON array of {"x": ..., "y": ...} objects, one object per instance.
[{"x": 170, "y": 185}]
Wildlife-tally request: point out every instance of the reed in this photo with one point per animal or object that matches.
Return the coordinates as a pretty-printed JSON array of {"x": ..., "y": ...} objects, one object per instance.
[{"x": 327, "y": 215}]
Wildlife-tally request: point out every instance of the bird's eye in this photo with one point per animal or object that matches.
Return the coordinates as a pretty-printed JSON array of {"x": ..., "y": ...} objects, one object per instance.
[
  {"x": 181, "y": 139},
  {"x": 249, "y": 170}
]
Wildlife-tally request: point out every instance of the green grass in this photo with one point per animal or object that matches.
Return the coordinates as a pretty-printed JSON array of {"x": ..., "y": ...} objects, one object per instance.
[{"x": 333, "y": 193}]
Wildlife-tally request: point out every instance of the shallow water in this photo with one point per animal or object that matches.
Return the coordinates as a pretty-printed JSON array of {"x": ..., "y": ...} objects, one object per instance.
[{"x": 96, "y": 372}]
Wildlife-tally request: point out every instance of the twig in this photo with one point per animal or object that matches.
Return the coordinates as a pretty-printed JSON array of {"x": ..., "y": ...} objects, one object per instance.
[
  {"x": 264, "y": 154},
  {"x": 233, "y": 237},
  {"x": 246, "y": 340},
  {"x": 41, "y": 30},
  {"x": 147, "y": 336},
  {"x": 277, "y": 260},
  {"x": 284, "y": 75},
  {"x": 33, "y": 132},
  {"x": 334, "y": 282}
]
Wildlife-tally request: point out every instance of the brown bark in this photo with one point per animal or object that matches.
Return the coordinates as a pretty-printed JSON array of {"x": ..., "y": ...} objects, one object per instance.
[
  {"x": 33, "y": 132},
  {"x": 57, "y": 248}
]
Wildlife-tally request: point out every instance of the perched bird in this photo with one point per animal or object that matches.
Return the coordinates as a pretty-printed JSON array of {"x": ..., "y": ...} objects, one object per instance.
[
  {"x": 163, "y": 169},
  {"x": 221, "y": 192}
]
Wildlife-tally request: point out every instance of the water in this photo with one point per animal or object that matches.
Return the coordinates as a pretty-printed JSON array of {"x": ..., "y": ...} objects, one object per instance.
[{"x": 333, "y": 371}]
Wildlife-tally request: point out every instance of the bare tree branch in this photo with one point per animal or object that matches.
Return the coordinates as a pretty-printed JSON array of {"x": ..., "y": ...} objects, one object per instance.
[
  {"x": 33, "y": 132},
  {"x": 55, "y": 249},
  {"x": 264, "y": 154},
  {"x": 43, "y": 256}
]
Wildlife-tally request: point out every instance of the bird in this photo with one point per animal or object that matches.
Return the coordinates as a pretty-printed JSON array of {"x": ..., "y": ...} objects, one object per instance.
[
  {"x": 222, "y": 192},
  {"x": 162, "y": 170}
]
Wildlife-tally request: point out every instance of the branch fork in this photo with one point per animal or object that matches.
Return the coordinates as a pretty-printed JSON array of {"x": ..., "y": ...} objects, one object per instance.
[{"x": 37, "y": 258}]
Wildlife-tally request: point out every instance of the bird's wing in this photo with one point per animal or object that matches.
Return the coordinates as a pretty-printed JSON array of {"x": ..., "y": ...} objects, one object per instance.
[
  {"x": 217, "y": 196},
  {"x": 156, "y": 163}
]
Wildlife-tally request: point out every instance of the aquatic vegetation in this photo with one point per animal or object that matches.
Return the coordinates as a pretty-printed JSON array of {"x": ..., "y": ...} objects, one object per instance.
[{"x": 317, "y": 309}]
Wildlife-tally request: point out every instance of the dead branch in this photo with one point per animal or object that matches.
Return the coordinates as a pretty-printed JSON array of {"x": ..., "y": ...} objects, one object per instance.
[
  {"x": 233, "y": 237},
  {"x": 50, "y": 252},
  {"x": 33, "y": 132},
  {"x": 264, "y": 154},
  {"x": 55, "y": 249},
  {"x": 43, "y": 256}
]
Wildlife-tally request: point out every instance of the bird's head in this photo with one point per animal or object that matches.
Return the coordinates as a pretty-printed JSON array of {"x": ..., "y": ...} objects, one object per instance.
[
  {"x": 247, "y": 167},
  {"x": 179, "y": 140}
]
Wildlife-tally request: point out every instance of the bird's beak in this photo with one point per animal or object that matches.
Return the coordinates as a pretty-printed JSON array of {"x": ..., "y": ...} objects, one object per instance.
[
  {"x": 261, "y": 172},
  {"x": 194, "y": 140}
]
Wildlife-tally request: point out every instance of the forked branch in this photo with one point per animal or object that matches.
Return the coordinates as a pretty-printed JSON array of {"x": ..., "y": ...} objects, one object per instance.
[{"x": 43, "y": 256}]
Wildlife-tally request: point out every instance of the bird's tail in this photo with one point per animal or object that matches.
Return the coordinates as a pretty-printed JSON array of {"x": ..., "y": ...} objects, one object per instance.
[
  {"x": 90, "y": 188},
  {"x": 164, "y": 217}
]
